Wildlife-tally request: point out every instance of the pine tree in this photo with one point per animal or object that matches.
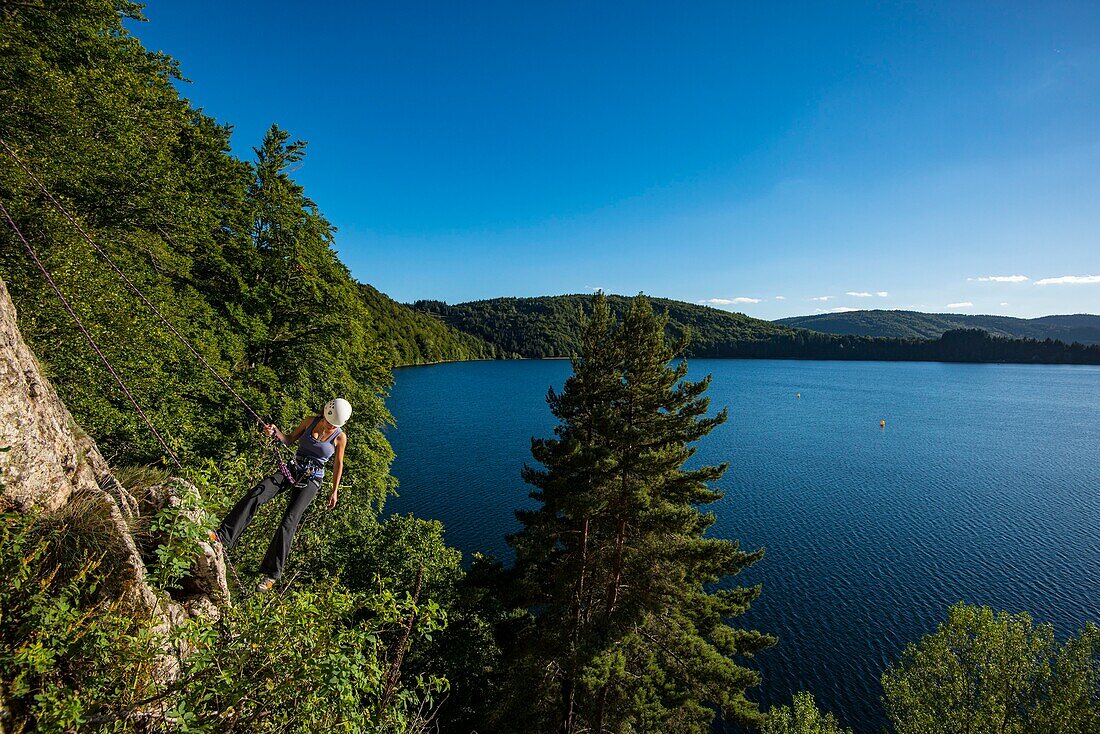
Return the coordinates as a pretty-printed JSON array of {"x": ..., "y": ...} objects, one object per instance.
[{"x": 614, "y": 562}]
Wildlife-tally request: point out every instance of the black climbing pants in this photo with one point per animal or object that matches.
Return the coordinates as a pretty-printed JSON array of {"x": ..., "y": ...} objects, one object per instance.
[{"x": 238, "y": 518}]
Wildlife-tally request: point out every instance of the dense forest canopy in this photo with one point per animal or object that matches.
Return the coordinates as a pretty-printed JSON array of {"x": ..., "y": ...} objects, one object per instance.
[
  {"x": 549, "y": 327},
  {"x": 1084, "y": 328},
  {"x": 414, "y": 337}
]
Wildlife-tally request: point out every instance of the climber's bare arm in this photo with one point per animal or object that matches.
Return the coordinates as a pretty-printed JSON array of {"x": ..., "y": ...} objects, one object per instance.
[{"x": 337, "y": 469}]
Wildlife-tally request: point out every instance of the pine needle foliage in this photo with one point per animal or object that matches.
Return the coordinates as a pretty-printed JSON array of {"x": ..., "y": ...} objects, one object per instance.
[{"x": 630, "y": 629}]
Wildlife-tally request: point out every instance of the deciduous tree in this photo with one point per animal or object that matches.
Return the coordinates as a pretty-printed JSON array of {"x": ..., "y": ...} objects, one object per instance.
[
  {"x": 986, "y": 672},
  {"x": 801, "y": 717}
]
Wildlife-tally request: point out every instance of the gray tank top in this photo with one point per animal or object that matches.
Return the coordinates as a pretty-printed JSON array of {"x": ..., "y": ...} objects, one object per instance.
[{"x": 314, "y": 452}]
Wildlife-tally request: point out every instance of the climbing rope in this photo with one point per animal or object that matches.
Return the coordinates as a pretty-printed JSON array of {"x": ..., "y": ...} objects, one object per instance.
[
  {"x": 400, "y": 646},
  {"x": 233, "y": 570},
  {"x": 274, "y": 443},
  {"x": 129, "y": 283},
  {"x": 111, "y": 369},
  {"x": 88, "y": 336}
]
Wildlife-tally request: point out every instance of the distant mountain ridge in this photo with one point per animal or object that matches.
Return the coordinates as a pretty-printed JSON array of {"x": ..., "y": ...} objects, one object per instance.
[
  {"x": 549, "y": 326},
  {"x": 1083, "y": 328}
]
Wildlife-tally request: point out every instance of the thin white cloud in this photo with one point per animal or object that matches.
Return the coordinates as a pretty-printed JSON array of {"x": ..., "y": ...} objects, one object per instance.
[
  {"x": 1004, "y": 304},
  {"x": 821, "y": 298},
  {"x": 859, "y": 294},
  {"x": 780, "y": 298},
  {"x": 960, "y": 304},
  {"x": 730, "y": 301},
  {"x": 842, "y": 309},
  {"x": 882, "y": 294},
  {"x": 1001, "y": 279},
  {"x": 1069, "y": 280}
]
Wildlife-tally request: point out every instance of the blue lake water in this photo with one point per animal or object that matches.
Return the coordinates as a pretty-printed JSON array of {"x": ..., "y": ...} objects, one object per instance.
[{"x": 984, "y": 486}]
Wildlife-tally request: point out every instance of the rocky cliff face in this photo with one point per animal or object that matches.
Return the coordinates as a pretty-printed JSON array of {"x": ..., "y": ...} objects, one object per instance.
[
  {"x": 49, "y": 459},
  {"x": 51, "y": 465}
]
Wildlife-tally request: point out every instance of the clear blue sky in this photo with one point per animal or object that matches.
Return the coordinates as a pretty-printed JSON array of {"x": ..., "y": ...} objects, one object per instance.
[{"x": 725, "y": 150}]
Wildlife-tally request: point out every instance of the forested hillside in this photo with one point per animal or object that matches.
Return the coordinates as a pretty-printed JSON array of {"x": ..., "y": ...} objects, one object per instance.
[
  {"x": 239, "y": 260},
  {"x": 412, "y": 337},
  {"x": 233, "y": 252},
  {"x": 549, "y": 326},
  {"x": 1084, "y": 328}
]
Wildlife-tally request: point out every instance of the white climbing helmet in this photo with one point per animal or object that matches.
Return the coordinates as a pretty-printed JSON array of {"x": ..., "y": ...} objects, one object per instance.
[{"x": 337, "y": 411}]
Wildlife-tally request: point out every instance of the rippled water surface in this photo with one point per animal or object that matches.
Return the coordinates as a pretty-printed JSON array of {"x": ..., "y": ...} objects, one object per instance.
[{"x": 984, "y": 486}]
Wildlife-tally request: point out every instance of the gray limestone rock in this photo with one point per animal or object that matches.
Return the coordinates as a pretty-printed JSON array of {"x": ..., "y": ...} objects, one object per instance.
[{"x": 51, "y": 465}]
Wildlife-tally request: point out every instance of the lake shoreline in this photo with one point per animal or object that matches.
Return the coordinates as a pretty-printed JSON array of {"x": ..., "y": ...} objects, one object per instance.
[{"x": 767, "y": 359}]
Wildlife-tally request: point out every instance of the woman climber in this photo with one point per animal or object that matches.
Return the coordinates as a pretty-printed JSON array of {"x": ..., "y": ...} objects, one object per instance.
[{"x": 319, "y": 438}]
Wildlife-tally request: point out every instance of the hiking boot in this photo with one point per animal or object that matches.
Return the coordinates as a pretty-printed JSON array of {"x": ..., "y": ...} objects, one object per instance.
[{"x": 267, "y": 584}]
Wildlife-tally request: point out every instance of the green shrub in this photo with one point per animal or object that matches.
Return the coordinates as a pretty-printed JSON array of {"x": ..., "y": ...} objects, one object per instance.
[
  {"x": 801, "y": 717},
  {"x": 986, "y": 672},
  {"x": 313, "y": 659},
  {"x": 319, "y": 658},
  {"x": 67, "y": 650}
]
